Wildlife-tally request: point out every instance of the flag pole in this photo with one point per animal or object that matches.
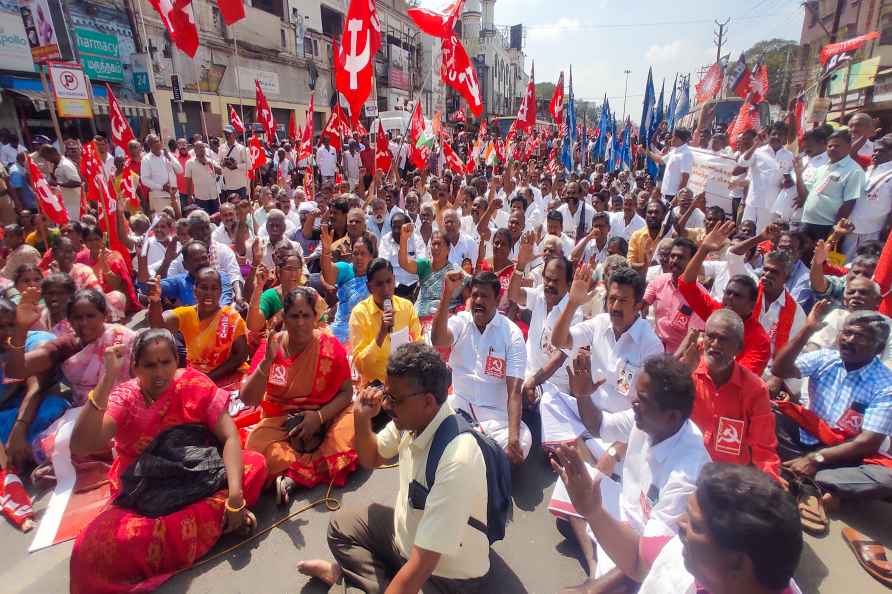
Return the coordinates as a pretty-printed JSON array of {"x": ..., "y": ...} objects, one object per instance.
[
  {"x": 204, "y": 125},
  {"x": 238, "y": 82}
]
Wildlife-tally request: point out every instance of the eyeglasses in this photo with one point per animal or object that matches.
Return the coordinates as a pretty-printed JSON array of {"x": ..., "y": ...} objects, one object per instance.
[{"x": 394, "y": 402}]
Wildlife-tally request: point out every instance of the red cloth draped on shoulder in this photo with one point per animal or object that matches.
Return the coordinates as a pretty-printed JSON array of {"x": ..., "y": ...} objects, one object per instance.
[{"x": 121, "y": 551}]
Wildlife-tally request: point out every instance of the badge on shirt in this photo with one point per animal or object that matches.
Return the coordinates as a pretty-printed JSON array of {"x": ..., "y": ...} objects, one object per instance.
[
  {"x": 495, "y": 367},
  {"x": 278, "y": 375},
  {"x": 851, "y": 421},
  {"x": 648, "y": 501},
  {"x": 545, "y": 341},
  {"x": 682, "y": 317},
  {"x": 625, "y": 375},
  {"x": 825, "y": 183},
  {"x": 729, "y": 436}
]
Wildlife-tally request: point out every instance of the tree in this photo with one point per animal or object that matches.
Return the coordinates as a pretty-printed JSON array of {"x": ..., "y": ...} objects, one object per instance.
[
  {"x": 544, "y": 90},
  {"x": 778, "y": 55}
]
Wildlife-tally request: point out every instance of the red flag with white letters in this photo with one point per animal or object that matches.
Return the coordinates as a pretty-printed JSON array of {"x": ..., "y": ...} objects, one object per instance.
[
  {"x": 306, "y": 139},
  {"x": 49, "y": 201},
  {"x": 355, "y": 55},
  {"x": 256, "y": 154},
  {"x": 526, "y": 114},
  {"x": 556, "y": 107},
  {"x": 453, "y": 161},
  {"x": 457, "y": 72},
  {"x": 438, "y": 23},
  {"x": 120, "y": 128},
  {"x": 235, "y": 121},
  {"x": 265, "y": 114},
  {"x": 334, "y": 128}
]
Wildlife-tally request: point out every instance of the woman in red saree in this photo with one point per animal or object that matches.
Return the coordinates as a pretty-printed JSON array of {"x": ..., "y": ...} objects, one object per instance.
[
  {"x": 303, "y": 386},
  {"x": 111, "y": 270},
  {"x": 121, "y": 550}
]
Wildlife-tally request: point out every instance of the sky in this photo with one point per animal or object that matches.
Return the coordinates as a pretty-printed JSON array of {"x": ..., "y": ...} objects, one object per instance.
[{"x": 602, "y": 38}]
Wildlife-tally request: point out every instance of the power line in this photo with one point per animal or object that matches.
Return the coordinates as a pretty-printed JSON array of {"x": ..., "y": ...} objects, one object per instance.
[{"x": 557, "y": 27}]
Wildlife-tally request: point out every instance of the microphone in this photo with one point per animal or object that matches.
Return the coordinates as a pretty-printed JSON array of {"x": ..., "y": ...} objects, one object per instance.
[{"x": 388, "y": 307}]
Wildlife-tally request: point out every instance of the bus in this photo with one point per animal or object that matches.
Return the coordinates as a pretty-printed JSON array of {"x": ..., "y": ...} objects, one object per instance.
[{"x": 503, "y": 124}]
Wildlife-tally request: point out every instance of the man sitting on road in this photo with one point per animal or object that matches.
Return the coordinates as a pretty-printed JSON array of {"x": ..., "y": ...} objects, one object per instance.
[
  {"x": 403, "y": 549},
  {"x": 837, "y": 439},
  {"x": 488, "y": 362}
]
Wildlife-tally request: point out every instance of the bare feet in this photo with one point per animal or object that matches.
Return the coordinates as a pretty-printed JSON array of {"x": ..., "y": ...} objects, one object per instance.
[{"x": 326, "y": 571}]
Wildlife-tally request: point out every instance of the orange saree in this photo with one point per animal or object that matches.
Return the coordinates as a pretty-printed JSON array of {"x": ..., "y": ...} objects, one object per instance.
[{"x": 306, "y": 382}]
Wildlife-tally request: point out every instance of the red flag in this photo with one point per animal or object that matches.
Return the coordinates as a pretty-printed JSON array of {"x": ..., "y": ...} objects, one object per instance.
[
  {"x": 265, "y": 114},
  {"x": 292, "y": 127},
  {"x": 437, "y": 23},
  {"x": 710, "y": 84},
  {"x": 453, "y": 161},
  {"x": 334, "y": 128},
  {"x": 120, "y": 128},
  {"x": 740, "y": 77},
  {"x": 235, "y": 121},
  {"x": 309, "y": 186},
  {"x": 556, "y": 107},
  {"x": 130, "y": 182},
  {"x": 256, "y": 154},
  {"x": 383, "y": 157},
  {"x": 831, "y": 49},
  {"x": 306, "y": 140},
  {"x": 232, "y": 10},
  {"x": 759, "y": 82},
  {"x": 457, "y": 72},
  {"x": 98, "y": 182},
  {"x": 747, "y": 119},
  {"x": 360, "y": 129},
  {"x": 526, "y": 114},
  {"x": 354, "y": 59},
  {"x": 50, "y": 202},
  {"x": 179, "y": 23},
  {"x": 419, "y": 155},
  {"x": 14, "y": 500},
  {"x": 801, "y": 121},
  {"x": 458, "y": 115}
]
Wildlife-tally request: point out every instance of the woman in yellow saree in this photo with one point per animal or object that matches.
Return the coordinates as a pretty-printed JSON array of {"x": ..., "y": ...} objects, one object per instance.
[
  {"x": 302, "y": 384},
  {"x": 214, "y": 335}
]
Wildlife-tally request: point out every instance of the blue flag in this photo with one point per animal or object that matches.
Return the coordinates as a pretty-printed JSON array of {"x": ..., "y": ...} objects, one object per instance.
[
  {"x": 647, "y": 113},
  {"x": 603, "y": 124},
  {"x": 684, "y": 101},
  {"x": 673, "y": 103},
  {"x": 652, "y": 168},
  {"x": 570, "y": 138},
  {"x": 627, "y": 146}
]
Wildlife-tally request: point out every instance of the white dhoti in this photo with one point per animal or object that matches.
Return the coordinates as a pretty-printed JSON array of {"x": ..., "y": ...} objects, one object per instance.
[
  {"x": 561, "y": 421},
  {"x": 759, "y": 215},
  {"x": 493, "y": 422}
]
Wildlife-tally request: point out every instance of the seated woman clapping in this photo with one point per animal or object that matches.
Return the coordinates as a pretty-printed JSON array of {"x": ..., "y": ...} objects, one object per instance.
[
  {"x": 214, "y": 334},
  {"x": 123, "y": 549},
  {"x": 304, "y": 390}
]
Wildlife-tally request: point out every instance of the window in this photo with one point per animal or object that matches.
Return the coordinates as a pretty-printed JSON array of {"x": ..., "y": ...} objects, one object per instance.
[{"x": 284, "y": 41}]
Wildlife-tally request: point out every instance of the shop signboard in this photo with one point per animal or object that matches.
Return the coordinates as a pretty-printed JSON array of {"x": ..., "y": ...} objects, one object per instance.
[
  {"x": 70, "y": 90},
  {"x": 40, "y": 30},
  {"x": 99, "y": 55}
]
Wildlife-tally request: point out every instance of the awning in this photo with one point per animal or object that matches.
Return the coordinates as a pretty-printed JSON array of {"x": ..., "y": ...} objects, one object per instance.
[
  {"x": 130, "y": 108},
  {"x": 37, "y": 98},
  {"x": 100, "y": 104}
]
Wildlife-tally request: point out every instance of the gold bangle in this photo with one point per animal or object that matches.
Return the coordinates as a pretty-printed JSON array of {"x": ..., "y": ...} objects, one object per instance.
[
  {"x": 12, "y": 346},
  {"x": 235, "y": 510},
  {"x": 321, "y": 418},
  {"x": 92, "y": 401}
]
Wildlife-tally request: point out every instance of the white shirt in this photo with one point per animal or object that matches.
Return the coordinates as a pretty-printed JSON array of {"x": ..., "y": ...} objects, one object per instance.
[
  {"x": 679, "y": 161},
  {"x": 327, "y": 161},
  {"x": 539, "y": 346},
  {"x": 764, "y": 176},
  {"x": 872, "y": 208},
  {"x": 390, "y": 251},
  {"x": 481, "y": 362},
  {"x": 233, "y": 179},
  {"x": 618, "y": 227},
  {"x": 109, "y": 166},
  {"x": 352, "y": 164},
  {"x": 695, "y": 221},
  {"x": 269, "y": 249},
  {"x": 657, "y": 478},
  {"x": 769, "y": 318},
  {"x": 399, "y": 152},
  {"x": 204, "y": 179},
  {"x": 154, "y": 254},
  {"x": 571, "y": 220},
  {"x": 8, "y": 153},
  {"x": 617, "y": 361},
  {"x": 156, "y": 171},
  {"x": 567, "y": 244},
  {"x": 222, "y": 258},
  {"x": 466, "y": 247}
]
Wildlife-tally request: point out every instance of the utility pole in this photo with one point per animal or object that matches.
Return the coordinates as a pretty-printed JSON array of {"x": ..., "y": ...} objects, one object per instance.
[
  {"x": 720, "y": 38},
  {"x": 626, "y": 93},
  {"x": 840, "y": 5}
]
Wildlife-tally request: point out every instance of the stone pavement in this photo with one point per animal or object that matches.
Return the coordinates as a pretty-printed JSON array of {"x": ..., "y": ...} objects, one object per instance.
[{"x": 533, "y": 558}]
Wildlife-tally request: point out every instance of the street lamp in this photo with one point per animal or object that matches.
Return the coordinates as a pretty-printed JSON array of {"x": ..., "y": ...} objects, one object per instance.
[{"x": 625, "y": 94}]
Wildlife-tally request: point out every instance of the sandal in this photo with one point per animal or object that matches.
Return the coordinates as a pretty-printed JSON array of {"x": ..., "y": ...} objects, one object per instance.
[
  {"x": 870, "y": 554},
  {"x": 811, "y": 507},
  {"x": 284, "y": 488}
]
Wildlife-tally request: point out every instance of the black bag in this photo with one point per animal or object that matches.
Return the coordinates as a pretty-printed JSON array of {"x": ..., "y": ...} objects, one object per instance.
[
  {"x": 498, "y": 476},
  {"x": 182, "y": 465}
]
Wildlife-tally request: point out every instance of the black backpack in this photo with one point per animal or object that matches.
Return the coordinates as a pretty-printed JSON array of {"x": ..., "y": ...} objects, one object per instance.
[{"x": 498, "y": 476}]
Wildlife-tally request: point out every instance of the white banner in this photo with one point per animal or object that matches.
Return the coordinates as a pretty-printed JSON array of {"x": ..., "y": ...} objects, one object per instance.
[
  {"x": 269, "y": 81},
  {"x": 712, "y": 174}
]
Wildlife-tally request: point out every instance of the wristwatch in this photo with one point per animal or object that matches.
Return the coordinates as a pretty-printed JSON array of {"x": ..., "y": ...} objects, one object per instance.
[{"x": 816, "y": 457}]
